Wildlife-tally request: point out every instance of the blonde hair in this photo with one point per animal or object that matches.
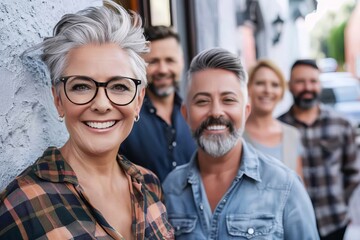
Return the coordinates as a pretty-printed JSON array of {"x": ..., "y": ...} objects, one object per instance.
[{"x": 266, "y": 63}]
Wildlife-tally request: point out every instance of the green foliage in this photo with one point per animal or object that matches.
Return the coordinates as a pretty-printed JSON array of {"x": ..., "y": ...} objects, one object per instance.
[
  {"x": 335, "y": 43},
  {"x": 327, "y": 38}
]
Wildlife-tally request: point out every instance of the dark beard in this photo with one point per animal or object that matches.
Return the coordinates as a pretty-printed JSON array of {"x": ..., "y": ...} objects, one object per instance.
[{"x": 306, "y": 103}]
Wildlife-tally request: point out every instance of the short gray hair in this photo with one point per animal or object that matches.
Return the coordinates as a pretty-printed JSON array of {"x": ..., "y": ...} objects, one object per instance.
[
  {"x": 217, "y": 58},
  {"x": 110, "y": 23}
]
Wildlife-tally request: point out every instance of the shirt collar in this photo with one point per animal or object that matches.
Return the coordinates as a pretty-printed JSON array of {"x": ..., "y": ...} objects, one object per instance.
[
  {"x": 249, "y": 165},
  {"x": 323, "y": 113},
  {"x": 130, "y": 169},
  {"x": 53, "y": 168}
]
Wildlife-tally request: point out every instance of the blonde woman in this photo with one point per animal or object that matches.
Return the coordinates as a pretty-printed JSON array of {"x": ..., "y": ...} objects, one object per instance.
[{"x": 266, "y": 88}]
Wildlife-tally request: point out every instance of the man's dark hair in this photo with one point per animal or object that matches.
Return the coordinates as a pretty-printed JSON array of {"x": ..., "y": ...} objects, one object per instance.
[
  {"x": 306, "y": 62},
  {"x": 154, "y": 33}
]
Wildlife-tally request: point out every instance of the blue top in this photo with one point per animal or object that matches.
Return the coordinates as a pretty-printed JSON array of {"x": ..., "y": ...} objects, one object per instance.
[
  {"x": 156, "y": 145},
  {"x": 265, "y": 200}
]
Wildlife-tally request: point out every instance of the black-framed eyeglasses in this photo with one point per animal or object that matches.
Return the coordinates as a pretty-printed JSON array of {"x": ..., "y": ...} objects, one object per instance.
[{"x": 81, "y": 90}]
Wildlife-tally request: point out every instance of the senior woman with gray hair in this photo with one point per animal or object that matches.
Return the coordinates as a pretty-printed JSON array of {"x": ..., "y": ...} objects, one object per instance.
[{"x": 85, "y": 190}]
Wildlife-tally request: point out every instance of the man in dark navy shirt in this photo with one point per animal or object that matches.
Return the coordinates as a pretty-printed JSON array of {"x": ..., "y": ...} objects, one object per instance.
[{"x": 161, "y": 139}]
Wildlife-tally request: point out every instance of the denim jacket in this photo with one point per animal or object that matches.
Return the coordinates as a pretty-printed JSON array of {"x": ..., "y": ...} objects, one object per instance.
[{"x": 266, "y": 200}]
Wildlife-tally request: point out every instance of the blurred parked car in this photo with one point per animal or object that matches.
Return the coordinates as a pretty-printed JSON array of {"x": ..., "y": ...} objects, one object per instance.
[{"x": 341, "y": 91}]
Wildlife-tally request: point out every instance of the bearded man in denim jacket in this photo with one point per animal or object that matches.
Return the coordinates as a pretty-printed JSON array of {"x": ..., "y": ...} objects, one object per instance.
[{"x": 228, "y": 189}]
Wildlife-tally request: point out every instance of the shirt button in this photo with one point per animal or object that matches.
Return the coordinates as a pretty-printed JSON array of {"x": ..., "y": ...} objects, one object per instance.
[
  {"x": 201, "y": 207},
  {"x": 173, "y": 144},
  {"x": 174, "y": 164},
  {"x": 250, "y": 231},
  {"x": 152, "y": 110}
]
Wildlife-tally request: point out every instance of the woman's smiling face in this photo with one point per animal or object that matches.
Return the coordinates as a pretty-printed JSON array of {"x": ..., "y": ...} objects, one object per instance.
[
  {"x": 265, "y": 90},
  {"x": 98, "y": 126}
]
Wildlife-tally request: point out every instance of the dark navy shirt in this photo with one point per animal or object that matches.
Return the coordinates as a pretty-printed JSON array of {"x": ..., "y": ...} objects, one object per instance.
[{"x": 156, "y": 145}]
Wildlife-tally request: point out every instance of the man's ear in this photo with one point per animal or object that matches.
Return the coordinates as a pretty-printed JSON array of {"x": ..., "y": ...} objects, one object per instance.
[
  {"x": 58, "y": 102},
  {"x": 247, "y": 110},
  {"x": 289, "y": 85}
]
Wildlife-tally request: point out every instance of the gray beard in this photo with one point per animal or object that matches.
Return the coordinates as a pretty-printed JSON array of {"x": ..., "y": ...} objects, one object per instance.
[
  {"x": 161, "y": 93},
  {"x": 218, "y": 145}
]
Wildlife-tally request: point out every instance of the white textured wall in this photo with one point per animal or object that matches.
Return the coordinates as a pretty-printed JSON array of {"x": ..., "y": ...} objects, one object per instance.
[{"x": 28, "y": 119}]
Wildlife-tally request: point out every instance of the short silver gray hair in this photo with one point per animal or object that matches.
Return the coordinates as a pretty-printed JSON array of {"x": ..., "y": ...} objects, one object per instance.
[
  {"x": 217, "y": 58},
  {"x": 110, "y": 23}
]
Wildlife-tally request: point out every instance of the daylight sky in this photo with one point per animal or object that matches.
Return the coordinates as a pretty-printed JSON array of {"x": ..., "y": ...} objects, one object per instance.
[{"x": 323, "y": 7}]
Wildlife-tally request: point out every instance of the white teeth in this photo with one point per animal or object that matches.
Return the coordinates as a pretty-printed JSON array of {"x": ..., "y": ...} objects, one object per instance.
[
  {"x": 266, "y": 99},
  {"x": 100, "y": 125},
  {"x": 216, "y": 127}
]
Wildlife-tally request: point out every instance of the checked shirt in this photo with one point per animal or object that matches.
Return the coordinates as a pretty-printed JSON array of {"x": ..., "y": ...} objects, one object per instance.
[{"x": 47, "y": 202}]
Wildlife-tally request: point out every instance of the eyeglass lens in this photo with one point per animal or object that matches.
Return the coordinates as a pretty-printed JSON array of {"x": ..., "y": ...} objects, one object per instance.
[{"x": 80, "y": 90}]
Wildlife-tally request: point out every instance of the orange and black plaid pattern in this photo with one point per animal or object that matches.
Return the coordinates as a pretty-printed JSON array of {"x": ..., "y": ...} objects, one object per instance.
[{"x": 47, "y": 202}]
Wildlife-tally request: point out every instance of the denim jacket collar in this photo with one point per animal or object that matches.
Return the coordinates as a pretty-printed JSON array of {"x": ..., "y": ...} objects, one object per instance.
[{"x": 249, "y": 166}]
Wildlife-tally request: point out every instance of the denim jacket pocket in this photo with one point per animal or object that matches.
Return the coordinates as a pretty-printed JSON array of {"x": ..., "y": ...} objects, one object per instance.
[
  {"x": 182, "y": 223},
  {"x": 250, "y": 225}
]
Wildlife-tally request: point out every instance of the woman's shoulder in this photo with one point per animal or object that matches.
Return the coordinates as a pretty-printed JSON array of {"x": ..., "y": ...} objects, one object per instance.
[
  {"x": 288, "y": 126},
  {"x": 146, "y": 173},
  {"x": 38, "y": 178},
  {"x": 16, "y": 186},
  {"x": 289, "y": 129}
]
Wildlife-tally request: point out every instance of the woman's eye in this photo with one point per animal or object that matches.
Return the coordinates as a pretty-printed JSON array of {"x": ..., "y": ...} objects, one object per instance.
[
  {"x": 259, "y": 83},
  {"x": 119, "y": 88},
  {"x": 80, "y": 87}
]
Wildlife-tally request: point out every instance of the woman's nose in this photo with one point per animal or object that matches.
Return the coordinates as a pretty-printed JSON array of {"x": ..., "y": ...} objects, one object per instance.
[{"x": 101, "y": 102}]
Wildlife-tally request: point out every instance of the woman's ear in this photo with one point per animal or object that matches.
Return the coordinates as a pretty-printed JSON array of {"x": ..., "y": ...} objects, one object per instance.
[
  {"x": 58, "y": 102},
  {"x": 140, "y": 100}
]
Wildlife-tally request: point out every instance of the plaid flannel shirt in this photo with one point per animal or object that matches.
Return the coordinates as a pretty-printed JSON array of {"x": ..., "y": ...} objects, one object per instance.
[
  {"x": 330, "y": 166},
  {"x": 47, "y": 202}
]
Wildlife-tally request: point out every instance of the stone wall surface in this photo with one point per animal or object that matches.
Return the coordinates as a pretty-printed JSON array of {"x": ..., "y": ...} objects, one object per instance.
[{"x": 28, "y": 118}]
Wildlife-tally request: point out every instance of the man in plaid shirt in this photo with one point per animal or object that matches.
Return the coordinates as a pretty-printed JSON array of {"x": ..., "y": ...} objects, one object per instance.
[{"x": 329, "y": 161}]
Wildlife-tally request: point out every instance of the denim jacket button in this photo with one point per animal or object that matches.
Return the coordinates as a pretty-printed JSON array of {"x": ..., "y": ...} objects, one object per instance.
[{"x": 250, "y": 231}]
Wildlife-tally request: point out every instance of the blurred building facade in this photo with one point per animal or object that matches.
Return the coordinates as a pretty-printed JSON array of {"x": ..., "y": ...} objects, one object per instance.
[
  {"x": 352, "y": 42},
  {"x": 252, "y": 29}
]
